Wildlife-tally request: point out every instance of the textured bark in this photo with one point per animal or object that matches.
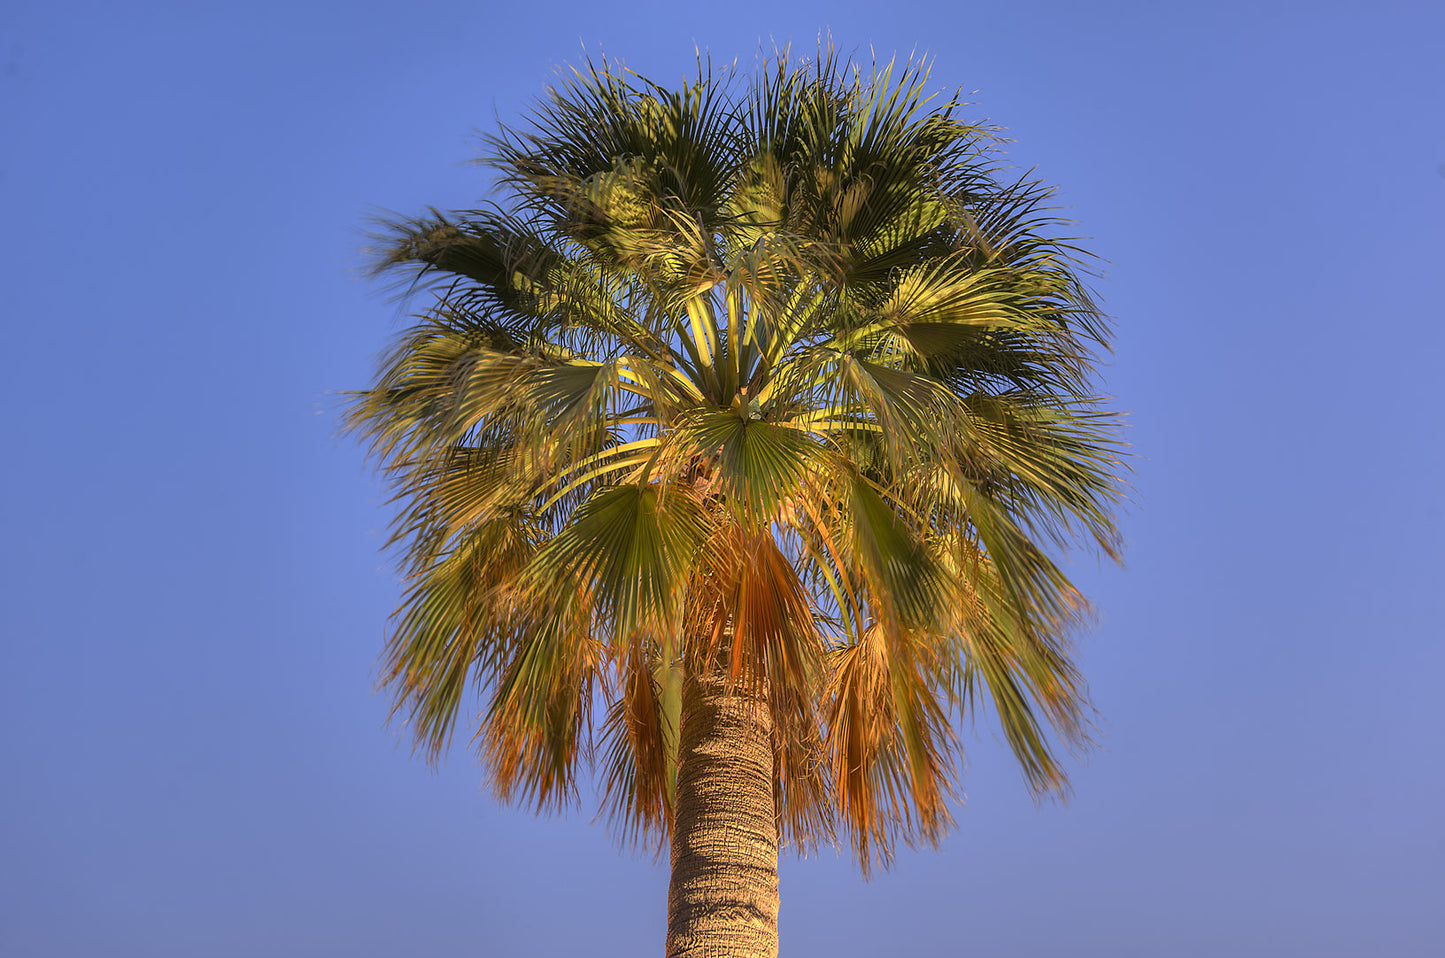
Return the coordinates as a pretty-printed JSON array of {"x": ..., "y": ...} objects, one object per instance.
[{"x": 723, "y": 899}]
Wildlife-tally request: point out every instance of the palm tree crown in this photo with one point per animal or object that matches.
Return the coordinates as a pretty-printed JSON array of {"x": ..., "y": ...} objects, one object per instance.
[{"x": 779, "y": 377}]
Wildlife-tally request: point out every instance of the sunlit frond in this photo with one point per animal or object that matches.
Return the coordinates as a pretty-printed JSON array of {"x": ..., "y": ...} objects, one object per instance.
[{"x": 889, "y": 746}]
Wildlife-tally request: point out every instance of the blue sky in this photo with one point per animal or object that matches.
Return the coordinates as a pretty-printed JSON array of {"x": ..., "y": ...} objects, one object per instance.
[{"x": 194, "y": 762}]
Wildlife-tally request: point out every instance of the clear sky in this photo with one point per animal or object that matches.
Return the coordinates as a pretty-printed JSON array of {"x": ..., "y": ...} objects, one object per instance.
[{"x": 192, "y": 762}]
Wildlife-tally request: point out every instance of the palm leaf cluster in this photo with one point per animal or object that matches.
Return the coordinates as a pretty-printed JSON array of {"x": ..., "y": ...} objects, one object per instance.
[{"x": 781, "y": 377}]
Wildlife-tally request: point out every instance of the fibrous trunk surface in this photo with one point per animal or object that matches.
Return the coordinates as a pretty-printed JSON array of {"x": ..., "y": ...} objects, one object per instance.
[{"x": 723, "y": 900}]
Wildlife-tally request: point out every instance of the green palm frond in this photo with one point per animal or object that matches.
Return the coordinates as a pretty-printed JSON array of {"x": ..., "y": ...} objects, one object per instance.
[
  {"x": 754, "y": 464},
  {"x": 778, "y": 371},
  {"x": 630, "y": 546}
]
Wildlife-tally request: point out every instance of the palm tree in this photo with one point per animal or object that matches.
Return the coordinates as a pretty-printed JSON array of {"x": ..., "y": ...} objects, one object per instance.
[{"x": 727, "y": 453}]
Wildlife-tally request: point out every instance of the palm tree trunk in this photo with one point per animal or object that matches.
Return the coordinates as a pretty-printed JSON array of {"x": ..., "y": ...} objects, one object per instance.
[{"x": 723, "y": 899}]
